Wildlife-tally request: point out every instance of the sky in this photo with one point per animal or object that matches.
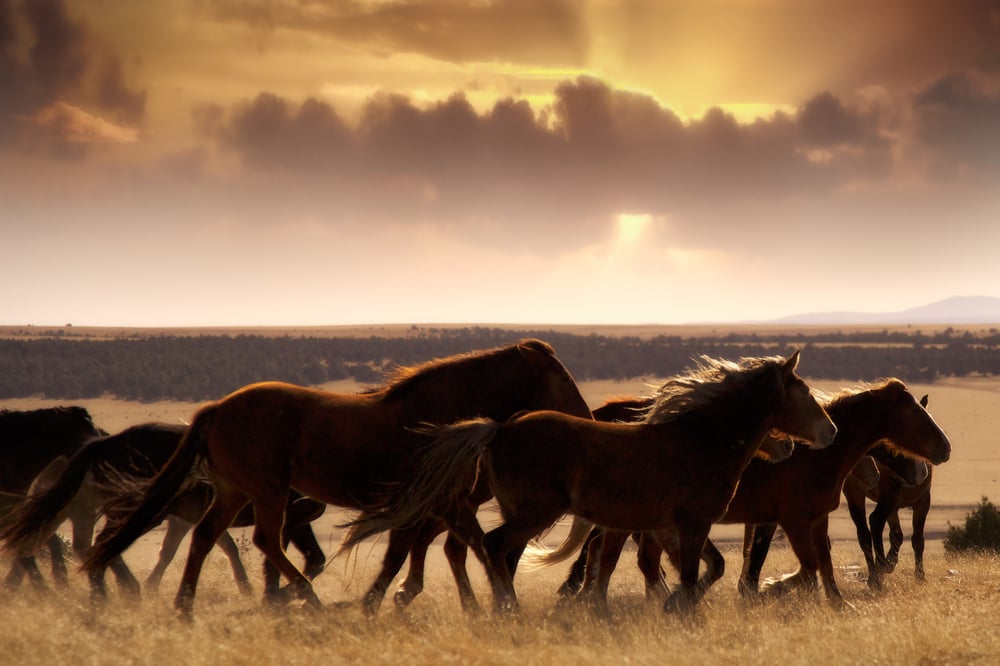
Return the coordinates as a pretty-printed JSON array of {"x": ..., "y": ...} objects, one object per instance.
[{"x": 298, "y": 162}]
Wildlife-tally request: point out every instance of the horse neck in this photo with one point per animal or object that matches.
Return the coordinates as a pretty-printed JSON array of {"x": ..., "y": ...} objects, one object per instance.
[
  {"x": 860, "y": 426},
  {"x": 479, "y": 387},
  {"x": 739, "y": 422}
]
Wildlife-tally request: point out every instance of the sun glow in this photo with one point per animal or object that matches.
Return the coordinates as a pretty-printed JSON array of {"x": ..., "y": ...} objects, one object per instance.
[{"x": 631, "y": 226}]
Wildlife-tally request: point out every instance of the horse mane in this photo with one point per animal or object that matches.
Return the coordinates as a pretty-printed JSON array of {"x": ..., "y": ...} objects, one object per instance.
[
  {"x": 852, "y": 393},
  {"x": 404, "y": 378},
  {"x": 709, "y": 380}
]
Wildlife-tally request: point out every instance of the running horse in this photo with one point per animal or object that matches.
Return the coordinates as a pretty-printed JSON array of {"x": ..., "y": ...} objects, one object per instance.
[
  {"x": 349, "y": 450},
  {"x": 675, "y": 472},
  {"x": 902, "y": 483},
  {"x": 800, "y": 493},
  {"x": 29, "y": 441},
  {"x": 83, "y": 486}
]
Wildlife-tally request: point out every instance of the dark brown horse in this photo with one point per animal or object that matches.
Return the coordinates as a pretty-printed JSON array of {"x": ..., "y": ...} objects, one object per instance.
[
  {"x": 800, "y": 492},
  {"x": 344, "y": 449},
  {"x": 82, "y": 487},
  {"x": 30, "y": 441},
  {"x": 901, "y": 484},
  {"x": 634, "y": 410},
  {"x": 675, "y": 472}
]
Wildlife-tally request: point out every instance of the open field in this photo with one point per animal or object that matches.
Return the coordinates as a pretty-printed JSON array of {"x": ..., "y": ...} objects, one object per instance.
[{"x": 950, "y": 619}]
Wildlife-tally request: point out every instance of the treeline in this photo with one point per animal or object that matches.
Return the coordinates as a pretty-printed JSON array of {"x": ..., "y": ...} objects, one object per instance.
[{"x": 207, "y": 367}]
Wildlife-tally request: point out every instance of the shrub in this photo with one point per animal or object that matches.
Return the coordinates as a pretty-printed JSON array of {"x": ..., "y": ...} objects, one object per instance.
[{"x": 981, "y": 532}]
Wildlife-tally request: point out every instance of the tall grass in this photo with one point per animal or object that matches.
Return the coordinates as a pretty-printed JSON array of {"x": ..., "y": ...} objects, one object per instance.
[{"x": 952, "y": 618}]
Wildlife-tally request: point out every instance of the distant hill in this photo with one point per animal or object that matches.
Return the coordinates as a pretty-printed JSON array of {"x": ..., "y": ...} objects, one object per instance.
[{"x": 955, "y": 310}]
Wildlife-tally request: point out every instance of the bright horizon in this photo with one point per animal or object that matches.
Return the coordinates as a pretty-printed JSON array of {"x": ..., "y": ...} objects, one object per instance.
[{"x": 579, "y": 162}]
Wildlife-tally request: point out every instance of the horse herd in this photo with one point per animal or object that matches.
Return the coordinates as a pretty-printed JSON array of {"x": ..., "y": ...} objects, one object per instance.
[{"x": 727, "y": 442}]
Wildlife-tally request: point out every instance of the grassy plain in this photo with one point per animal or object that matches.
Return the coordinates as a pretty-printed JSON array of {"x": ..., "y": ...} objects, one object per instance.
[{"x": 949, "y": 619}]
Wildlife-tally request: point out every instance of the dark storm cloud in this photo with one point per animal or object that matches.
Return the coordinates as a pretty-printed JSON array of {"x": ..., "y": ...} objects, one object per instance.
[
  {"x": 536, "y": 33},
  {"x": 959, "y": 122},
  {"x": 54, "y": 63}
]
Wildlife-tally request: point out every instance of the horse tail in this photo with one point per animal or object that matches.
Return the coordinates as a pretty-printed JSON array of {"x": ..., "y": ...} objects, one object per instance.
[
  {"x": 444, "y": 474},
  {"x": 536, "y": 555},
  {"x": 33, "y": 520},
  {"x": 143, "y": 505}
]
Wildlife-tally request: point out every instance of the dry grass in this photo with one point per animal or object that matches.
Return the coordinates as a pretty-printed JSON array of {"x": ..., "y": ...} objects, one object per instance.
[{"x": 949, "y": 619}]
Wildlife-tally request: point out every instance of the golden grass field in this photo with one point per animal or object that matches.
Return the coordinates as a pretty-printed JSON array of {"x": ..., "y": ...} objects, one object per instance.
[{"x": 952, "y": 618}]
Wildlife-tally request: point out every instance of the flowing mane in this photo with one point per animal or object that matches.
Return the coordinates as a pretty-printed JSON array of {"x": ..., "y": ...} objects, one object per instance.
[
  {"x": 710, "y": 380},
  {"x": 844, "y": 395}
]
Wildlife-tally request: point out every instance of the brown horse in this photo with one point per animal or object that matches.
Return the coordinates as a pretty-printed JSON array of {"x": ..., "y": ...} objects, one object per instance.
[
  {"x": 901, "y": 484},
  {"x": 30, "y": 441},
  {"x": 344, "y": 449},
  {"x": 675, "y": 472},
  {"x": 800, "y": 492},
  {"x": 634, "y": 410},
  {"x": 81, "y": 487}
]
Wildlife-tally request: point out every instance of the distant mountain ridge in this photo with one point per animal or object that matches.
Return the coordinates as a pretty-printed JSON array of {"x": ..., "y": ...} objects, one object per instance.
[{"x": 954, "y": 310}]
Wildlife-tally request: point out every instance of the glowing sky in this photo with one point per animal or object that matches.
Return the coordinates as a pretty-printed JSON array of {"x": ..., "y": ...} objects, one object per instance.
[{"x": 294, "y": 162}]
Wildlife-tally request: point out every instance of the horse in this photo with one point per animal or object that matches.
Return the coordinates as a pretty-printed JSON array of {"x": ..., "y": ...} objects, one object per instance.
[
  {"x": 901, "y": 484},
  {"x": 800, "y": 492},
  {"x": 82, "y": 487},
  {"x": 677, "y": 471},
  {"x": 29, "y": 441},
  {"x": 349, "y": 450},
  {"x": 633, "y": 410}
]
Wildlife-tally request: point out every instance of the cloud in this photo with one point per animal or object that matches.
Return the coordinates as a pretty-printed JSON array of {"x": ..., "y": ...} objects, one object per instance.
[
  {"x": 52, "y": 69},
  {"x": 535, "y": 33},
  {"x": 958, "y": 120},
  {"x": 65, "y": 123}
]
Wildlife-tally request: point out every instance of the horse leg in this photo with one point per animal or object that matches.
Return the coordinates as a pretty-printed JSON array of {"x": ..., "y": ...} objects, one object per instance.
[
  {"x": 756, "y": 544},
  {"x": 821, "y": 547},
  {"x": 602, "y": 558},
  {"x": 232, "y": 552},
  {"x": 13, "y": 579},
  {"x": 648, "y": 558},
  {"x": 269, "y": 514},
  {"x": 920, "y": 509},
  {"x": 715, "y": 566},
  {"x": 856, "y": 507},
  {"x": 800, "y": 538},
  {"x": 574, "y": 580},
  {"x": 29, "y": 565},
  {"x": 57, "y": 555},
  {"x": 176, "y": 529},
  {"x": 224, "y": 507},
  {"x": 457, "y": 553},
  {"x": 895, "y": 541},
  {"x": 511, "y": 537},
  {"x": 876, "y": 521},
  {"x": 400, "y": 542},
  {"x": 304, "y": 539},
  {"x": 420, "y": 541},
  {"x": 691, "y": 543},
  {"x": 128, "y": 585}
]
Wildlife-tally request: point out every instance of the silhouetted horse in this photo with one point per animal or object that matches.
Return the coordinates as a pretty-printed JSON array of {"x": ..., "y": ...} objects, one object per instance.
[
  {"x": 800, "y": 492},
  {"x": 29, "y": 441},
  {"x": 902, "y": 483},
  {"x": 344, "y": 449},
  {"x": 675, "y": 472},
  {"x": 82, "y": 487}
]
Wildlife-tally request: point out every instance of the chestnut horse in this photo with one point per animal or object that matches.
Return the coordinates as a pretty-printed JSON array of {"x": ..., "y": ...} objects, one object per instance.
[
  {"x": 901, "y": 484},
  {"x": 349, "y": 450},
  {"x": 675, "y": 472},
  {"x": 800, "y": 492},
  {"x": 80, "y": 487},
  {"x": 29, "y": 441}
]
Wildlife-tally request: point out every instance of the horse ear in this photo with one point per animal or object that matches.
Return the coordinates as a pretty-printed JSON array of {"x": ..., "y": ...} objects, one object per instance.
[
  {"x": 534, "y": 351},
  {"x": 788, "y": 367},
  {"x": 923, "y": 401}
]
